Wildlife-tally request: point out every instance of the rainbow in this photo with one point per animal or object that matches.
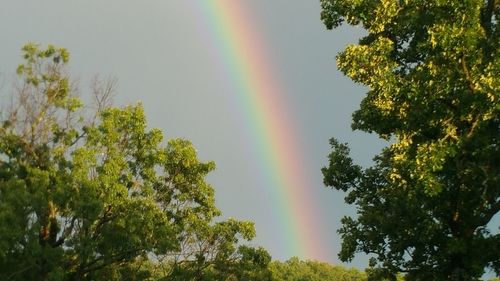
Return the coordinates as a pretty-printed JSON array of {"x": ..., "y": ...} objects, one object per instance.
[{"x": 259, "y": 99}]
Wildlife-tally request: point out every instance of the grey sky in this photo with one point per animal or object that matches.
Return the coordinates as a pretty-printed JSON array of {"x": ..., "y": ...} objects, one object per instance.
[{"x": 155, "y": 51}]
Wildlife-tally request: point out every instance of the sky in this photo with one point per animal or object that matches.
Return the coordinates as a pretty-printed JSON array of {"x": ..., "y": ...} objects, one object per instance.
[{"x": 165, "y": 54}]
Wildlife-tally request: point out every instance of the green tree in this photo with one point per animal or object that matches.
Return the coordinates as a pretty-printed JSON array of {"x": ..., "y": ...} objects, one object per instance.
[
  {"x": 96, "y": 195},
  {"x": 431, "y": 69},
  {"x": 212, "y": 253},
  {"x": 297, "y": 270}
]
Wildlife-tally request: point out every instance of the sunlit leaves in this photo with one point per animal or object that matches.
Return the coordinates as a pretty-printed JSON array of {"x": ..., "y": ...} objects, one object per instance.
[
  {"x": 431, "y": 69},
  {"x": 97, "y": 199},
  {"x": 297, "y": 270}
]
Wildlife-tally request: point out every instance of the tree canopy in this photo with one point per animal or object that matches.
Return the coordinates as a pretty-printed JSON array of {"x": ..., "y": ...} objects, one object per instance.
[
  {"x": 431, "y": 69},
  {"x": 298, "y": 270},
  {"x": 91, "y": 193}
]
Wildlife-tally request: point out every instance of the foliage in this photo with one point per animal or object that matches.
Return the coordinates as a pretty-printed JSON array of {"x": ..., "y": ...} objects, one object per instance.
[
  {"x": 245, "y": 264},
  {"x": 431, "y": 68},
  {"x": 98, "y": 196},
  {"x": 297, "y": 270}
]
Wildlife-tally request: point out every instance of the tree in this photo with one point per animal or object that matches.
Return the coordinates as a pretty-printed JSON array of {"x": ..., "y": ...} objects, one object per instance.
[
  {"x": 210, "y": 253},
  {"x": 297, "y": 270},
  {"x": 431, "y": 69},
  {"x": 95, "y": 195}
]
